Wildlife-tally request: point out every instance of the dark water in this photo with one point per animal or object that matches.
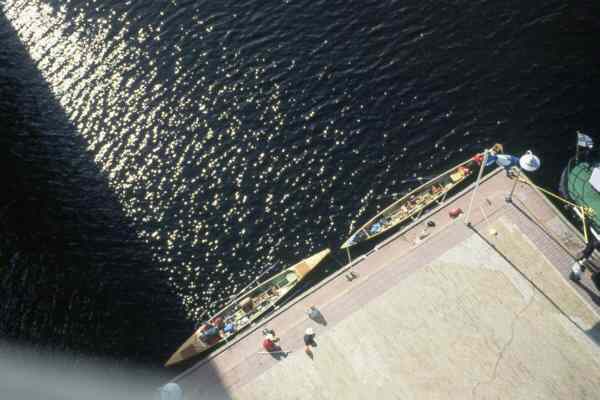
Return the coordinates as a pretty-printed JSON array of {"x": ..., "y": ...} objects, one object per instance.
[{"x": 158, "y": 154}]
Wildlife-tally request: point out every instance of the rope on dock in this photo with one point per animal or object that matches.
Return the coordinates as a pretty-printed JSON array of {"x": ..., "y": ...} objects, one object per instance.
[{"x": 585, "y": 211}]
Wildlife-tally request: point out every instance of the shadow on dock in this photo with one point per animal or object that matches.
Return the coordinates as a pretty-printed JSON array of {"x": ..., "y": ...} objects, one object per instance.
[
  {"x": 594, "y": 333},
  {"x": 592, "y": 295},
  {"x": 527, "y": 215},
  {"x": 524, "y": 276}
]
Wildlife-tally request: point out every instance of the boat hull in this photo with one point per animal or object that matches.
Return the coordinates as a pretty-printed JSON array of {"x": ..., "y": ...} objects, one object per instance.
[
  {"x": 413, "y": 204},
  {"x": 281, "y": 283}
]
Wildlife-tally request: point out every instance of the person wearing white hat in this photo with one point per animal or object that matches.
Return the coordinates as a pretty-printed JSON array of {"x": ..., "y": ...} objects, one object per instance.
[{"x": 309, "y": 340}]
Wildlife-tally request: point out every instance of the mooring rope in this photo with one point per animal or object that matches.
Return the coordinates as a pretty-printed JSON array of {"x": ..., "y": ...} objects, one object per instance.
[{"x": 585, "y": 211}]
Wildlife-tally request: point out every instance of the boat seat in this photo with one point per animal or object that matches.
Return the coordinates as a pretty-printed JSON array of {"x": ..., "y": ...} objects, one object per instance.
[
  {"x": 291, "y": 277},
  {"x": 247, "y": 304},
  {"x": 281, "y": 281},
  {"x": 457, "y": 176}
]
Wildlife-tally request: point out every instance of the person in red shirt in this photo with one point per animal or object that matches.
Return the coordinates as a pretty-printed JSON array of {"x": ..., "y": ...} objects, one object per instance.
[{"x": 268, "y": 344}]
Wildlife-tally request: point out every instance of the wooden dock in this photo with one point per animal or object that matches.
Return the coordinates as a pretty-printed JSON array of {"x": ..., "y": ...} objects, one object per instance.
[{"x": 451, "y": 312}]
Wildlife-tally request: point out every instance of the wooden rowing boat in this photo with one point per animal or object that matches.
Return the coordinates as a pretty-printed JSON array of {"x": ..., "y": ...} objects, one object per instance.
[
  {"x": 412, "y": 205},
  {"x": 245, "y": 309}
]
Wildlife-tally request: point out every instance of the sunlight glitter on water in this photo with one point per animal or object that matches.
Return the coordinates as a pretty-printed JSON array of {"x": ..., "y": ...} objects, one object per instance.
[
  {"x": 171, "y": 152},
  {"x": 229, "y": 147}
]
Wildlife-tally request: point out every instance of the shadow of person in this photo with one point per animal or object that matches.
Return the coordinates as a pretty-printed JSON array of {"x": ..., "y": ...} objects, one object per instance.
[
  {"x": 593, "y": 296},
  {"x": 278, "y": 353},
  {"x": 594, "y": 333},
  {"x": 309, "y": 352}
]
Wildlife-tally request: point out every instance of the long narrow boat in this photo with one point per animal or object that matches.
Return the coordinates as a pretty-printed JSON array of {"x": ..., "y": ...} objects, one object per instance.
[
  {"x": 245, "y": 309},
  {"x": 414, "y": 203}
]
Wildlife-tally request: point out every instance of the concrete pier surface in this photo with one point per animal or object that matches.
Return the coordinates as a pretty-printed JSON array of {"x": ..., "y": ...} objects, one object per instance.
[{"x": 483, "y": 311}]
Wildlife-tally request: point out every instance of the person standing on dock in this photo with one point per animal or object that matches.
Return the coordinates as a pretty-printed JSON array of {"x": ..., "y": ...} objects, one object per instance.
[
  {"x": 269, "y": 341},
  {"x": 268, "y": 344},
  {"x": 309, "y": 341},
  {"x": 313, "y": 313}
]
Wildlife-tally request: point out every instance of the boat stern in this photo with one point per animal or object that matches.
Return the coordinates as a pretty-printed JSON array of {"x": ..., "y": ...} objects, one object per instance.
[{"x": 190, "y": 348}]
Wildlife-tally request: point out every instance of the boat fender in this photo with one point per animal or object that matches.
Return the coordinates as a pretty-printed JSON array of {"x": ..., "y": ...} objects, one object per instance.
[
  {"x": 478, "y": 158},
  {"x": 455, "y": 212}
]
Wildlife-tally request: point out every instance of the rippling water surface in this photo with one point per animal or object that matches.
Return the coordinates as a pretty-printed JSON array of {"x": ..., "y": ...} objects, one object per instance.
[{"x": 232, "y": 134}]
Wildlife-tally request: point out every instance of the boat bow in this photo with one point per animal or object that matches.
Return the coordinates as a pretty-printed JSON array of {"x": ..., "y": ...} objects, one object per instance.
[
  {"x": 310, "y": 263},
  {"x": 194, "y": 345}
]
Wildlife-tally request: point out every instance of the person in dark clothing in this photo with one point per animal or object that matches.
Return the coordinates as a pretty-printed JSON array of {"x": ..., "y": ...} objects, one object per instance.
[
  {"x": 209, "y": 333},
  {"x": 596, "y": 279},
  {"x": 309, "y": 341},
  {"x": 578, "y": 267}
]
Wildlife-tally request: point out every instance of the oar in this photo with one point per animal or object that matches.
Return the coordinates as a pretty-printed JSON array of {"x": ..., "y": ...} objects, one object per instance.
[
  {"x": 260, "y": 276},
  {"x": 241, "y": 291}
]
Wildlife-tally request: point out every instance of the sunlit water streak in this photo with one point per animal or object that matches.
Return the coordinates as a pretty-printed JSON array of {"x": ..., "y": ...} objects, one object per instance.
[
  {"x": 237, "y": 134},
  {"x": 164, "y": 156},
  {"x": 196, "y": 148}
]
